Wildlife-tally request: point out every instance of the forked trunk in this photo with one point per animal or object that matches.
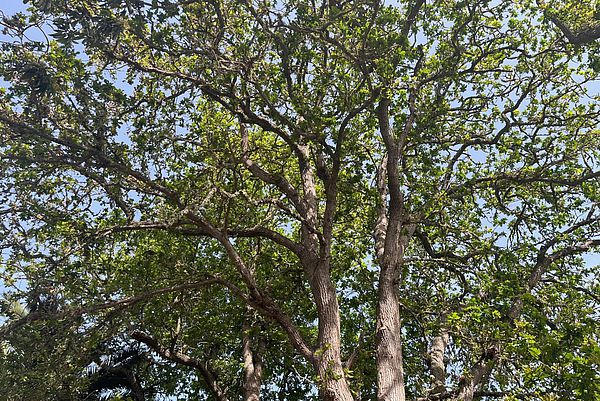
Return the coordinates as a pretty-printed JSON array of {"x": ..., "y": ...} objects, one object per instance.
[
  {"x": 327, "y": 360},
  {"x": 390, "y": 245}
]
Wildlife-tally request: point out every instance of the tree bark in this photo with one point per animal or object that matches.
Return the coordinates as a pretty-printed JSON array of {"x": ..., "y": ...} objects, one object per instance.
[
  {"x": 392, "y": 233},
  {"x": 180, "y": 358},
  {"x": 582, "y": 36},
  {"x": 438, "y": 367},
  {"x": 328, "y": 359},
  {"x": 252, "y": 366},
  {"x": 466, "y": 389},
  {"x": 390, "y": 368},
  {"x": 390, "y": 371}
]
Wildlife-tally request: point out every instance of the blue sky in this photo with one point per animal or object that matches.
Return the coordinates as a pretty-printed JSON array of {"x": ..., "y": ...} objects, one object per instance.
[{"x": 12, "y": 6}]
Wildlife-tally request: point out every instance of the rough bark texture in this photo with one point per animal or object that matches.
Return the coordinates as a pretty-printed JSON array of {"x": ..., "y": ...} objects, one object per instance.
[
  {"x": 390, "y": 371},
  {"x": 252, "y": 367},
  {"x": 392, "y": 233},
  {"x": 438, "y": 367},
  {"x": 327, "y": 360}
]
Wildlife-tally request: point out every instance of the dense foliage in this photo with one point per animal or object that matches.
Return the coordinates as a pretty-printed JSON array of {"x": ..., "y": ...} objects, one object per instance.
[{"x": 294, "y": 200}]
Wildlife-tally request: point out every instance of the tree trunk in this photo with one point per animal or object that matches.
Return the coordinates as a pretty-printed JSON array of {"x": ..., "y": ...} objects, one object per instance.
[
  {"x": 390, "y": 370},
  {"x": 252, "y": 367},
  {"x": 438, "y": 367},
  {"x": 466, "y": 390},
  {"x": 328, "y": 360},
  {"x": 392, "y": 233}
]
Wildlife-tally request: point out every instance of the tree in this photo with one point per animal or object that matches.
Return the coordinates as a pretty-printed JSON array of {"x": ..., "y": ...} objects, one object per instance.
[{"x": 295, "y": 200}]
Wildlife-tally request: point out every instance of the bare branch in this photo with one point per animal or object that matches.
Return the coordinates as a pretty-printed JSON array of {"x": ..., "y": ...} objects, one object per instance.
[
  {"x": 270, "y": 178},
  {"x": 181, "y": 228}
]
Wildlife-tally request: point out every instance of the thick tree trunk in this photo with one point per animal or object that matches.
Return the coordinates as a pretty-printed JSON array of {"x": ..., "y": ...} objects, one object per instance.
[
  {"x": 252, "y": 367},
  {"x": 390, "y": 368},
  {"x": 390, "y": 244},
  {"x": 390, "y": 371},
  {"x": 328, "y": 360}
]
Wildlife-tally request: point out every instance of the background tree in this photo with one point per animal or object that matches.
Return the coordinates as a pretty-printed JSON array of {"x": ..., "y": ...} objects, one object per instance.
[{"x": 295, "y": 200}]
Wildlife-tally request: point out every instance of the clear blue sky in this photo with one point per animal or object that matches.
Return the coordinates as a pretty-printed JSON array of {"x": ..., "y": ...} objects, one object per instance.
[{"x": 12, "y": 6}]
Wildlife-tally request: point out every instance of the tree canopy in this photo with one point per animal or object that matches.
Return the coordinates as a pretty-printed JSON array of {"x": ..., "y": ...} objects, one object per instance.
[{"x": 295, "y": 200}]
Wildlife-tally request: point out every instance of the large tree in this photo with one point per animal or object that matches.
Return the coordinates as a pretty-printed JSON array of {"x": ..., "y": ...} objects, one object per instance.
[{"x": 210, "y": 199}]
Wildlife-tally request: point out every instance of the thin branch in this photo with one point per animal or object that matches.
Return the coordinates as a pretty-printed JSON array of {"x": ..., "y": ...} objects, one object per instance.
[
  {"x": 72, "y": 313},
  {"x": 178, "y": 357},
  {"x": 270, "y": 178},
  {"x": 180, "y": 228}
]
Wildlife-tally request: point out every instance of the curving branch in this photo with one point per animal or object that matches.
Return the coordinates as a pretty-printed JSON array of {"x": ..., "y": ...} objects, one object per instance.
[
  {"x": 582, "y": 36},
  {"x": 270, "y": 178},
  {"x": 181, "y": 228},
  {"x": 489, "y": 357},
  {"x": 72, "y": 313},
  {"x": 178, "y": 357}
]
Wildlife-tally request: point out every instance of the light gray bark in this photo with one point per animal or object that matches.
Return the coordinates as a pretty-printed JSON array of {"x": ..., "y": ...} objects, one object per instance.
[
  {"x": 392, "y": 234},
  {"x": 252, "y": 366},
  {"x": 437, "y": 365},
  {"x": 327, "y": 360}
]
